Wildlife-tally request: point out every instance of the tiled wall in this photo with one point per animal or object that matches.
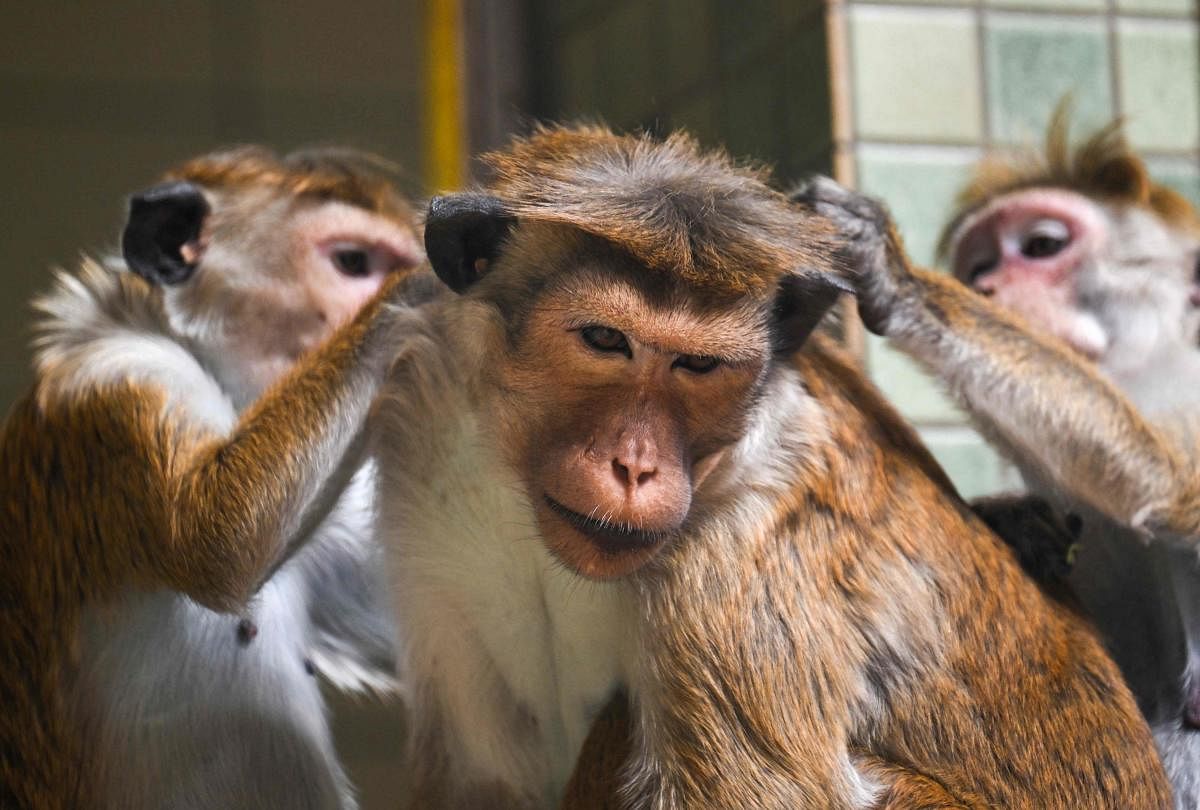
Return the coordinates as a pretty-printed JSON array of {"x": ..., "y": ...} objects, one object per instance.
[{"x": 926, "y": 86}]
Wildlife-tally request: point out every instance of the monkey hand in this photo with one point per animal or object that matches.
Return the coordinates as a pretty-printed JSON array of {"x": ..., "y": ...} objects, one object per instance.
[
  {"x": 1045, "y": 542},
  {"x": 870, "y": 255}
]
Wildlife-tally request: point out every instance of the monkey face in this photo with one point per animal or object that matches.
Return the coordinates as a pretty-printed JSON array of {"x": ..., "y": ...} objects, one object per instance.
[
  {"x": 1104, "y": 278},
  {"x": 256, "y": 276},
  {"x": 636, "y": 307},
  {"x": 624, "y": 403}
]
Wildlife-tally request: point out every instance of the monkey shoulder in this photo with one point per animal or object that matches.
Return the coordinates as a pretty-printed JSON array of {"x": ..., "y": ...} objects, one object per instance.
[{"x": 104, "y": 334}]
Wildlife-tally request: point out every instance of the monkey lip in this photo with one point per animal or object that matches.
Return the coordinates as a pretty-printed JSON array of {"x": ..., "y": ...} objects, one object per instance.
[{"x": 609, "y": 538}]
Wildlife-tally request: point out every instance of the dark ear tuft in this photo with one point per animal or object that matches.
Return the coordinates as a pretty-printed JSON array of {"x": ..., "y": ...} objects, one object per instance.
[
  {"x": 463, "y": 234},
  {"x": 800, "y": 303},
  {"x": 163, "y": 219}
]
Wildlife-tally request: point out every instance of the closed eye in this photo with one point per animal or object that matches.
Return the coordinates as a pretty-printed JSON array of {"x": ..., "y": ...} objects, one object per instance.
[
  {"x": 606, "y": 339},
  {"x": 696, "y": 363}
]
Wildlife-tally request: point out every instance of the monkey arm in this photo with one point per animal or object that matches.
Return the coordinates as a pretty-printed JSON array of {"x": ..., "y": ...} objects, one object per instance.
[
  {"x": 1047, "y": 408},
  {"x": 239, "y": 505},
  {"x": 1038, "y": 401}
]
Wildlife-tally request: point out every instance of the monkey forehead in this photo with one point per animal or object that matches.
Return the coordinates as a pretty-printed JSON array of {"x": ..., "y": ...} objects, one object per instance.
[
  {"x": 1103, "y": 167},
  {"x": 358, "y": 178},
  {"x": 679, "y": 210},
  {"x": 675, "y": 322}
]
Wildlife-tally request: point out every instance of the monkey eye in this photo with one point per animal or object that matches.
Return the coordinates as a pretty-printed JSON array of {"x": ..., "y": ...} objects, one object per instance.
[
  {"x": 605, "y": 339},
  {"x": 696, "y": 363},
  {"x": 1046, "y": 238},
  {"x": 352, "y": 261}
]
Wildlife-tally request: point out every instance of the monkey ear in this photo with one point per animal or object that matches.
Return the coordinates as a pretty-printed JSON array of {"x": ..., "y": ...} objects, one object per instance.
[
  {"x": 463, "y": 233},
  {"x": 802, "y": 300},
  {"x": 162, "y": 220}
]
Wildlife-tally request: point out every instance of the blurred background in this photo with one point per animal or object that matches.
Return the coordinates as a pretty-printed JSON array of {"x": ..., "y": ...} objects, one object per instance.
[{"x": 899, "y": 98}]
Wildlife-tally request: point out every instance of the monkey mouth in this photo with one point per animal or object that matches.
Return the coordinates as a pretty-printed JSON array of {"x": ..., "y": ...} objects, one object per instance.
[{"x": 609, "y": 538}]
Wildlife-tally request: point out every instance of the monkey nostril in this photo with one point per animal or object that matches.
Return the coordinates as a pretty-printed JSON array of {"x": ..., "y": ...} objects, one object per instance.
[
  {"x": 633, "y": 476},
  {"x": 621, "y": 472}
]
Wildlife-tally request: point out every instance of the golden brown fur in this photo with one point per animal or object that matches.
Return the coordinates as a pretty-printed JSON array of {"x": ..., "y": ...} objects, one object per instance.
[
  {"x": 694, "y": 215},
  {"x": 113, "y": 480},
  {"x": 1007, "y": 701},
  {"x": 1076, "y": 355},
  {"x": 353, "y": 177},
  {"x": 827, "y": 624},
  {"x": 159, "y": 513}
]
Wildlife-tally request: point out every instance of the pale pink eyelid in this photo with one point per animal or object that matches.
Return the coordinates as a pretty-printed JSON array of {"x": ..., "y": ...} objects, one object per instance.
[
  {"x": 407, "y": 252},
  {"x": 1074, "y": 210}
]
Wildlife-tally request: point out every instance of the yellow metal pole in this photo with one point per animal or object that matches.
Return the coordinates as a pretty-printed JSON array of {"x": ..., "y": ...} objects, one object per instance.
[{"x": 445, "y": 99}]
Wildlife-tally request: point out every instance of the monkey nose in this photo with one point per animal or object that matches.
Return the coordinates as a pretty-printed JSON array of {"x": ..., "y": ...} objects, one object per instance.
[{"x": 633, "y": 473}]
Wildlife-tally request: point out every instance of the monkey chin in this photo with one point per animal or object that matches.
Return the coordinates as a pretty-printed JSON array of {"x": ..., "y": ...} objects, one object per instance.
[{"x": 596, "y": 549}]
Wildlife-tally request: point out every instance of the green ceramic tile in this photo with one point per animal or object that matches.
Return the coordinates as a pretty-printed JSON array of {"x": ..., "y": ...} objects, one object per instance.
[
  {"x": 915, "y": 74},
  {"x": 1032, "y": 61},
  {"x": 972, "y": 465},
  {"x": 1181, "y": 174},
  {"x": 910, "y": 389},
  {"x": 1159, "y": 71},
  {"x": 1183, "y": 8},
  {"x": 919, "y": 186},
  {"x": 1051, "y": 5}
]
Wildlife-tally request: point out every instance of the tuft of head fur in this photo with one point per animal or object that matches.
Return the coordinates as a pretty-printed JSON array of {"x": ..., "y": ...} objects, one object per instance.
[
  {"x": 1104, "y": 167},
  {"x": 330, "y": 173},
  {"x": 698, "y": 215}
]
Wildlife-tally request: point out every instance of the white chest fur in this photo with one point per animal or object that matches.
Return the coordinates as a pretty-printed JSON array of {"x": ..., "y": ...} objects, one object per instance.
[{"x": 508, "y": 653}]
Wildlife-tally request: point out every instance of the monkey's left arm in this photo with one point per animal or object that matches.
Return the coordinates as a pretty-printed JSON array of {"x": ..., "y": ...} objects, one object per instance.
[
  {"x": 241, "y": 505},
  {"x": 1038, "y": 401}
]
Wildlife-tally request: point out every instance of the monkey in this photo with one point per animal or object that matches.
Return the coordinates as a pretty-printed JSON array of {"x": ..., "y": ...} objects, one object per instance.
[
  {"x": 620, "y": 461},
  {"x": 1070, "y": 335},
  {"x": 187, "y": 502}
]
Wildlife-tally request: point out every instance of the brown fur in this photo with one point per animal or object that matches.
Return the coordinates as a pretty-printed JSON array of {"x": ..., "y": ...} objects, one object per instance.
[
  {"x": 103, "y": 492},
  {"x": 1104, "y": 168},
  {"x": 113, "y": 487},
  {"x": 829, "y": 626},
  {"x": 349, "y": 176},
  {"x": 1006, "y": 701},
  {"x": 695, "y": 215},
  {"x": 1108, "y": 434}
]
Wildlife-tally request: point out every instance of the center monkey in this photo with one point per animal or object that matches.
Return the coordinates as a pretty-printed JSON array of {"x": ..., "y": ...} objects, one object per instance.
[{"x": 619, "y": 461}]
